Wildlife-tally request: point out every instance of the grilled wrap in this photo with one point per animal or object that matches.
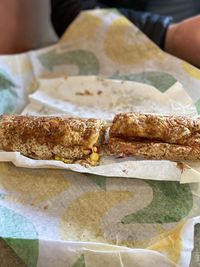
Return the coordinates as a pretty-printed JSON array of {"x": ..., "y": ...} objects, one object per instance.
[
  {"x": 168, "y": 129},
  {"x": 67, "y": 139},
  {"x": 152, "y": 150},
  {"x": 155, "y": 137}
]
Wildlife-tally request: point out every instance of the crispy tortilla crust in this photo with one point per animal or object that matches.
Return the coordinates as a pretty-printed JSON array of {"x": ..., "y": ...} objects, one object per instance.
[
  {"x": 152, "y": 150},
  {"x": 47, "y": 137},
  {"x": 167, "y": 129}
]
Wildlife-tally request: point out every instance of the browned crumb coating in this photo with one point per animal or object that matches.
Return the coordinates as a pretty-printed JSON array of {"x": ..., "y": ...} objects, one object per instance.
[
  {"x": 168, "y": 129},
  {"x": 155, "y": 137},
  {"x": 50, "y": 137},
  {"x": 152, "y": 150}
]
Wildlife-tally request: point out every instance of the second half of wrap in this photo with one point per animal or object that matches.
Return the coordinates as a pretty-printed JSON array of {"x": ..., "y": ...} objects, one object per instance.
[{"x": 153, "y": 136}]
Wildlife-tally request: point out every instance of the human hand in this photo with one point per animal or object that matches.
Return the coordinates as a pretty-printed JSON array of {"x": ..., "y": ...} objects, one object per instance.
[{"x": 183, "y": 40}]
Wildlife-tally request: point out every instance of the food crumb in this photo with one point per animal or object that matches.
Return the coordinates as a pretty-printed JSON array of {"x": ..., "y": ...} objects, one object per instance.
[
  {"x": 99, "y": 92},
  {"x": 85, "y": 93},
  {"x": 182, "y": 166},
  {"x": 45, "y": 207}
]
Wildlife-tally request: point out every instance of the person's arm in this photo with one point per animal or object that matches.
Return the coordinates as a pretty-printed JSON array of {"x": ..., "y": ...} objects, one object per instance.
[
  {"x": 64, "y": 12},
  {"x": 183, "y": 40},
  {"x": 25, "y": 25},
  {"x": 179, "y": 39},
  {"x": 153, "y": 25}
]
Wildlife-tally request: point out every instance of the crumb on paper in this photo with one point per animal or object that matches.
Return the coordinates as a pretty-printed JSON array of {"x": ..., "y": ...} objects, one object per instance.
[
  {"x": 45, "y": 207},
  {"x": 182, "y": 166},
  {"x": 121, "y": 156},
  {"x": 99, "y": 92},
  {"x": 125, "y": 171},
  {"x": 85, "y": 93}
]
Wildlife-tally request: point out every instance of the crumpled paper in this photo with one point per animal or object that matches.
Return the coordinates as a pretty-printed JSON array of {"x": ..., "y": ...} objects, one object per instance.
[
  {"x": 70, "y": 211},
  {"x": 95, "y": 97}
]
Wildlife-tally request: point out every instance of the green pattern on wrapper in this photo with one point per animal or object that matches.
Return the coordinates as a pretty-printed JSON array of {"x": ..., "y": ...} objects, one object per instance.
[
  {"x": 86, "y": 61},
  {"x": 197, "y": 104},
  {"x": 99, "y": 180},
  {"x": 80, "y": 262},
  {"x": 160, "y": 80},
  {"x": 171, "y": 203},
  {"x": 8, "y": 96},
  {"x": 8, "y": 258},
  {"x": 26, "y": 249},
  {"x": 20, "y": 234},
  {"x": 2, "y": 196}
]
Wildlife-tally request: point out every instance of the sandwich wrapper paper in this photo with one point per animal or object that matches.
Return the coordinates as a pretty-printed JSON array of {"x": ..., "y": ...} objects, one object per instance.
[
  {"x": 122, "y": 212},
  {"x": 94, "y": 97}
]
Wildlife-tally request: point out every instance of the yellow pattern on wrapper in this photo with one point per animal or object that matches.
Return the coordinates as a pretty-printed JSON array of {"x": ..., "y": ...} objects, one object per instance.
[
  {"x": 31, "y": 186},
  {"x": 23, "y": 65},
  {"x": 33, "y": 86},
  {"x": 122, "y": 47},
  {"x": 79, "y": 29},
  {"x": 171, "y": 244},
  {"x": 191, "y": 70},
  {"x": 82, "y": 219}
]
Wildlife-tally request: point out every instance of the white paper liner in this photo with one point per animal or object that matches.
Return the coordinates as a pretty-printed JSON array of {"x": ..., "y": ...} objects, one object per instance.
[{"x": 90, "y": 96}]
